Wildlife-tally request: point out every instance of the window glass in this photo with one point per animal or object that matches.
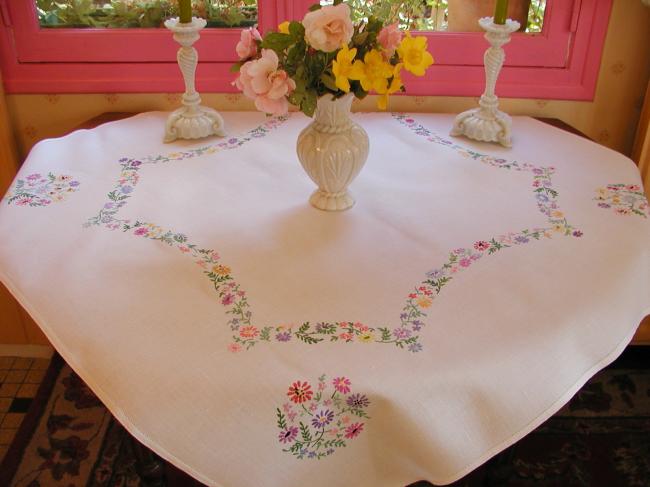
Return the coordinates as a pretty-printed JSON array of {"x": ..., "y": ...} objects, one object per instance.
[
  {"x": 447, "y": 15},
  {"x": 141, "y": 13}
]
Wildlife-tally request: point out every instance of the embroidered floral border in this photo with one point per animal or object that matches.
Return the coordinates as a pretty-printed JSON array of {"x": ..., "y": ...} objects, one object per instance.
[
  {"x": 623, "y": 199},
  {"x": 39, "y": 190},
  {"x": 404, "y": 335},
  {"x": 314, "y": 424}
]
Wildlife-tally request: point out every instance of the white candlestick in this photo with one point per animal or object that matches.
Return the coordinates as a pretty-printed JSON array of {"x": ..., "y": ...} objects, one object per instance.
[
  {"x": 191, "y": 121},
  {"x": 487, "y": 123}
]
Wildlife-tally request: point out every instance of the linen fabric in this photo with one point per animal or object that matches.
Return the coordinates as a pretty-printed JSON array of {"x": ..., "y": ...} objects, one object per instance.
[{"x": 251, "y": 339}]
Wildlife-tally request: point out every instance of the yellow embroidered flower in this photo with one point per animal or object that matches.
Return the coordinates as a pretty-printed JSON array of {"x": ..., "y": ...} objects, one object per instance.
[
  {"x": 221, "y": 270},
  {"x": 559, "y": 228},
  {"x": 373, "y": 72},
  {"x": 424, "y": 302},
  {"x": 342, "y": 67},
  {"x": 557, "y": 214},
  {"x": 395, "y": 85},
  {"x": 366, "y": 337},
  {"x": 283, "y": 28},
  {"x": 413, "y": 53}
]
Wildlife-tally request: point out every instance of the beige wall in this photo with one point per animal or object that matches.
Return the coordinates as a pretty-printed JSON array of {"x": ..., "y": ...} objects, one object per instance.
[{"x": 611, "y": 118}]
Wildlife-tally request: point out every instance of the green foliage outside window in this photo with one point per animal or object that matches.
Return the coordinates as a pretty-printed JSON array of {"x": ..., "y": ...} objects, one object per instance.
[
  {"x": 141, "y": 13},
  {"x": 426, "y": 14}
]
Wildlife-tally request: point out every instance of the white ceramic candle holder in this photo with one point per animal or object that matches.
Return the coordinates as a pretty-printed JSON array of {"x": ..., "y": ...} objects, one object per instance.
[
  {"x": 488, "y": 123},
  {"x": 191, "y": 121}
]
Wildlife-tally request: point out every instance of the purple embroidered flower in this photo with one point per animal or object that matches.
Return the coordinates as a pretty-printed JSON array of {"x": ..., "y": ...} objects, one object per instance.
[
  {"x": 312, "y": 454},
  {"x": 135, "y": 163},
  {"x": 577, "y": 233},
  {"x": 288, "y": 435},
  {"x": 415, "y": 347},
  {"x": 520, "y": 239},
  {"x": 401, "y": 333},
  {"x": 228, "y": 299},
  {"x": 33, "y": 177},
  {"x": 604, "y": 205},
  {"x": 541, "y": 197},
  {"x": 126, "y": 189},
  {"x": 358, "y": 401},
  {"x": 537, "y": 171},
  {"x": 435, "y": 274},
  {"x": 322, "y": 418},
  {"x": 403, "y": 316},
  {"x": 109, "y": 205},
  {"x": 73, "y": 184},
  {"x": 283, "y": 336},
  {"x": 417, "y": 325}
]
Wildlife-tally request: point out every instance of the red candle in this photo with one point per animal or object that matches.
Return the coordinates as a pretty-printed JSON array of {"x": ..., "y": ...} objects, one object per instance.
[
  {"x": 185, "y": 8},
  {"x": 501, "y": 12}
]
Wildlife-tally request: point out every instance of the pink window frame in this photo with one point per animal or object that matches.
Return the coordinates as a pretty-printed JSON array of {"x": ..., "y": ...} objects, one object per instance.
[{"x": 561, "y": 63}]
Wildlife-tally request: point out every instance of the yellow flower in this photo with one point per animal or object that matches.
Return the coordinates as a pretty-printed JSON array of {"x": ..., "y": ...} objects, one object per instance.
[
  {"x": 366, "y": 337},
  {"x": 413, "y": 53},
  {"x": 424, "y": 302},
  {"x": 373, "y": 72},
  {"x": 222, "y": 270},
  {"x": 343, "y": 68},
  {"x": 559, "y": 228},
  {"x": 557, "y": 214},
  {"x": 283, "y": 28},
  {"x": 395, "y": 85}
]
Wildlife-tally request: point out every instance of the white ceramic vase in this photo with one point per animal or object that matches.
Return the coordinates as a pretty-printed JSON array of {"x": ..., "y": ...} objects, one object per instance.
[{"x": 332, "y": 149}]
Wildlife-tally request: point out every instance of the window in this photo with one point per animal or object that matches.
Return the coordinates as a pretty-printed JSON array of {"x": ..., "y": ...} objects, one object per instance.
[{"x": 44, "y": 48}]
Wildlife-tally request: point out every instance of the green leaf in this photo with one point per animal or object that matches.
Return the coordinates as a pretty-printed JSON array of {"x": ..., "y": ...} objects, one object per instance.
[
  {"x": 277, "y": 41},
  {"x": 314, "y": 7},
  {"x": 281, "y": 422},
  {"x": 236, "y": 67},
  {"x": 296, "y": 30},
  {"x": 308, "y": 105},
  {"x": 329, "y": 81},
  {"x": 304, "y": 431}
]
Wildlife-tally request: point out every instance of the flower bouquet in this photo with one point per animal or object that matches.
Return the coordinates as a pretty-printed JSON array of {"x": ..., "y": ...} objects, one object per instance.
[{"x": 319, "y": 65}]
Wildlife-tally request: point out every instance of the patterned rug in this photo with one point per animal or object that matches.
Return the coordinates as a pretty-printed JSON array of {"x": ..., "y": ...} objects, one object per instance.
[{"x": 601, "y": 438}]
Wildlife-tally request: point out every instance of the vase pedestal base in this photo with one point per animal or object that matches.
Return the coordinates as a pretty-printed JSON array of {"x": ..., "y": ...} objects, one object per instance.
[{"x": 331, "y": 201}]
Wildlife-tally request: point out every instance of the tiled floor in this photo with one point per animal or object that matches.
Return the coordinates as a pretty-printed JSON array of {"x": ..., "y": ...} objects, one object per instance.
[{"x": 19, "y": 381}]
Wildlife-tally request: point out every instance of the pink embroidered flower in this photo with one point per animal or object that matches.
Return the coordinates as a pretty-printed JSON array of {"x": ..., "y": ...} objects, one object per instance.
[
  {"x": 481, "y": 245},
  {"x": 345, "y": 419},
  {"x": 346, "y": 336},
  {"x": 353, "y": 430},
  {"x": 389, "y": 38},
  {"x": 141, "y": 231},
  {"x": 465, "y": 262},
  {"x": 248, "y": 332},
  {"x": 328, "y": 28},
  {"x": 234, "y": 347},
  {"x": 246, "y": 47},
  {"x": 228, "y": 299},
  {"x": 183, "y": 249},
  {"x": 342, "y": 384},
  {"x": 288, "y": 435},
  {"x": 300, "y": 392},
  {"x": 24, "y": 201},
  {"x": 263, "y": 82}
]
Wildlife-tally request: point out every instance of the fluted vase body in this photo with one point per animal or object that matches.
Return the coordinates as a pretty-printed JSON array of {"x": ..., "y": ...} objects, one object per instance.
[{"x": 332, "y": 149}]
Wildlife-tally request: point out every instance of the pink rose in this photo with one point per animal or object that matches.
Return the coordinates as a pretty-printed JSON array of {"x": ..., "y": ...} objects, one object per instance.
[
  {"x": 246, "y": 46},
  {"x": 262, "y": 81},
  {"x": 328, "y": 28},
  {"x": 389, "y": 38}
]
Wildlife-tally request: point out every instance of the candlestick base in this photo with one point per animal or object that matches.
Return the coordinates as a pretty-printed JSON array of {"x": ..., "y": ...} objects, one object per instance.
[
  {"x": 193, "y": 123},
  {"x": 487, "y": 123},
  {"x": 192, "y": 120}
]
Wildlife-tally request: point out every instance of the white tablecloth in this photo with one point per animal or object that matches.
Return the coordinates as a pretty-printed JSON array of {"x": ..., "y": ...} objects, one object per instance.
[{"x": 253, "y": 340}]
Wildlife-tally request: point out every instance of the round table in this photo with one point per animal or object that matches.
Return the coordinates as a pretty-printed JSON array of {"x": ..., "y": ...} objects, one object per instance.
[{"x": 251, "y": 339}]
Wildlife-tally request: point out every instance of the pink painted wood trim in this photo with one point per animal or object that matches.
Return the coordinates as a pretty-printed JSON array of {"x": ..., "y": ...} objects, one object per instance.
[{"x": 575, "y": 80}]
